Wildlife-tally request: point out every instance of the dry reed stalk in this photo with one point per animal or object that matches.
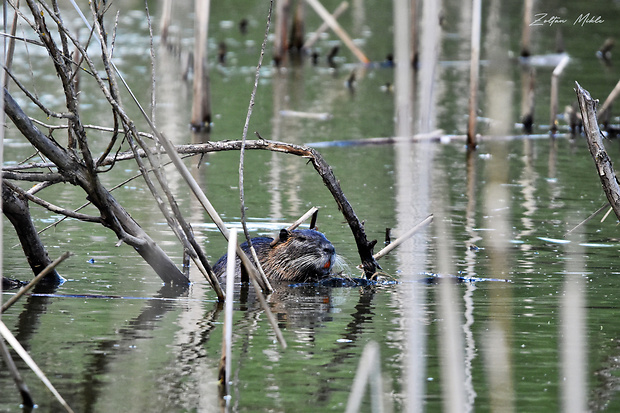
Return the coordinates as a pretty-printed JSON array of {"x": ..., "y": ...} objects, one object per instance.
[
  {"x": 403, "y": 238},
  {"x": 473, "y": 72},
  {"x": 403, "y": 72},
  {"x": 368, "y": 371},
  {"x": 414, "y": 33},
  {"x": 226, "y": 360},
  {"x": 34, "y": 281},
  {"x": 166, "y": 17},
  {"x": 526, "y": 27},
  {"x": 12, "y": 341},
  {"x": 333, "y": 24},
  {"x": 201, "y": 103},
  {"x": 297, "y": 31},
  {"x": 315, "y": 36},
  {"x": 311, "y": 213},
  {"x": 528, "y": 98},
  {"x": 280, "y": 42},
  {"x": 555, "y": 76},
  {"x": 430, "y": 34}
]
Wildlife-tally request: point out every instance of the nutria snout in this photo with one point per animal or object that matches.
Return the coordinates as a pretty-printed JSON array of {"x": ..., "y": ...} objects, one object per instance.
[{"x": 299, "y": 256}]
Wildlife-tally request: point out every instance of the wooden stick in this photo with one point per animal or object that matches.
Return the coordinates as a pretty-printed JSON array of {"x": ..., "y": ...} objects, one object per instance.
[
  {"x": 473, "y": 73},
  {"x": 34, "y": 281},
  {"x": 280, "y": 43},
  {"x": 403, "y": 237},
  {"x": 554, "y": 92},
  {"x": 304, "y": 217},
  {"x": 612, "y": 96},
  {"x": 315, "y": 36},
  {"x": 165, "y": 20},
  {"x": 594, "y": 137},
  {"x": 10, "y": 338},
  {"x": 333, "y": 24},
  {"x": 525, "y": 35}
]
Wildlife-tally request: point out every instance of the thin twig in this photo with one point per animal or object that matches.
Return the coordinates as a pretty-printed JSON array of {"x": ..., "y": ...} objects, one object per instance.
[
  {"x": 595, "y": 213},
  {"x": 51, "y": 207},
  {"x": 244, "y": 135}
]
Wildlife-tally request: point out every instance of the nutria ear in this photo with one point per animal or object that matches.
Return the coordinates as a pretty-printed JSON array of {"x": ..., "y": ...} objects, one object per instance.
[
  {"x": 282, "y": 237},
  {"x": 284, "y": 234}
]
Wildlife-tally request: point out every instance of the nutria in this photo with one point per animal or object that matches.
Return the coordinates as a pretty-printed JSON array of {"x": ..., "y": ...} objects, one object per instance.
[{"x": 299, "y": 256}]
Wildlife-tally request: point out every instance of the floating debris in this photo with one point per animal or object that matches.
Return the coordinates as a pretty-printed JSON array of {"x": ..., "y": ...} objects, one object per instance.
[{"x": 306, "y": 115}]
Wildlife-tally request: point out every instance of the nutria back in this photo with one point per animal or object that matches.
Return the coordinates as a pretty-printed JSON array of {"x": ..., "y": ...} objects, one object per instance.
[{"x": 300, "y": 256}]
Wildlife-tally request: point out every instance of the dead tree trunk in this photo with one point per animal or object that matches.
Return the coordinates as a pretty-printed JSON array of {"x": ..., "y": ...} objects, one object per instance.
[
  {"x": 15, "y": 208},
  {"x": 113, "y": 215},
  {"x": 594, "y": 137}
]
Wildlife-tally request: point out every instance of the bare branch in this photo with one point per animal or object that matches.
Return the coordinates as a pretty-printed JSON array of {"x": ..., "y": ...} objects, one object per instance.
[{"x": 52, "y": 207}]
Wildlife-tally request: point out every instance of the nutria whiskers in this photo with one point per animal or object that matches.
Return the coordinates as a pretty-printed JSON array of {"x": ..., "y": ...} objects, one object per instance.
[{"x": 299, "y": 256}]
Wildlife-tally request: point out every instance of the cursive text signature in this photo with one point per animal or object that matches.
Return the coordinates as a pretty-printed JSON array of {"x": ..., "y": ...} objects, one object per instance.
[{"x": 544, "y": 19}]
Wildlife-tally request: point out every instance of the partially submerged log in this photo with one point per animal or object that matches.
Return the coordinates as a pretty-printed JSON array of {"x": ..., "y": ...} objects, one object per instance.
[
  {"x": 15, "y": 208},
  {"x": 594, "y": 137}
]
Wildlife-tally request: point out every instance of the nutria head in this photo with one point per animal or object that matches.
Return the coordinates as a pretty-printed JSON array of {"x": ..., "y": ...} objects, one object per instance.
[{"x": 299, "y": 255}]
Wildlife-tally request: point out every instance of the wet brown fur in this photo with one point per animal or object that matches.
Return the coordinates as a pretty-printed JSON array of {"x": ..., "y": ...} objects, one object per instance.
[{"x": 298, "y": 256}]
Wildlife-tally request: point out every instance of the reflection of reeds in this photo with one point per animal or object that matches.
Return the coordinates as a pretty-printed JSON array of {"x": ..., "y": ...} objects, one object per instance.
[
  {"x": 573, "y": 332},
  {"x": 497, "y": 341},
  {"x": 450, "y": 331}
]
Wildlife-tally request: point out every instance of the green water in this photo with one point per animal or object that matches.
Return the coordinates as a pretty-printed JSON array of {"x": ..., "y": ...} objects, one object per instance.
[{"x": 142, "y": 347}]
